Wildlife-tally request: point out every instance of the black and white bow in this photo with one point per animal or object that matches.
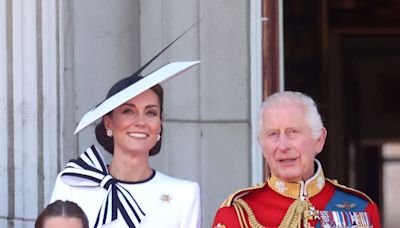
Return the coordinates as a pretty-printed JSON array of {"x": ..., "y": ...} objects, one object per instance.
[{"x": 90, "y": 170}]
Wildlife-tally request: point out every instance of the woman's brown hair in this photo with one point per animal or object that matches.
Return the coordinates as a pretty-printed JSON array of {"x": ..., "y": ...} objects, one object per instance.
[{"x": 62, "y": 209}]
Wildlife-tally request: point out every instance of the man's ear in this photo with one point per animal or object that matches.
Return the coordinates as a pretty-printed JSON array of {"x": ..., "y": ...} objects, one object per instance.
[
  {"x": 319, "y": 144},
  {"x": 260, "y": 140}
]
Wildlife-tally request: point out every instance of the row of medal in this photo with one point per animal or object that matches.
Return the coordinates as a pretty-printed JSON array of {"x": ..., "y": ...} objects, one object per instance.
[{"x": 330, "y": 219}]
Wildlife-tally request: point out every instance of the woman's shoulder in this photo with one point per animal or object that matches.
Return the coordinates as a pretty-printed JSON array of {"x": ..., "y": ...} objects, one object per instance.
[{"x": 169, "y": 180}]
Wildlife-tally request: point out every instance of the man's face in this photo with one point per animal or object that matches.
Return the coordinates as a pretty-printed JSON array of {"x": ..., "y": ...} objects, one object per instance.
[{"x": 287, "y": 142}]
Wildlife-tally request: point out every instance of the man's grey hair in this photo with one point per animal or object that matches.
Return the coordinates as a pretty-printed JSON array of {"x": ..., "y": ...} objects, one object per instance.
[{"x": 313, "y": 118}]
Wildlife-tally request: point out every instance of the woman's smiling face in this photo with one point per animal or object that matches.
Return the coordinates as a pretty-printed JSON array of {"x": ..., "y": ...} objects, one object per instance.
[{"x": 136, "y": 124}]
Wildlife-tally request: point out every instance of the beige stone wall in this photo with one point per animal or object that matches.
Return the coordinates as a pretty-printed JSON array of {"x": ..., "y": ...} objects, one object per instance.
[
  {"x": 30, "y": 114},
  {"x": 53, "y": 72},
  {"x": 207, "y": 110}
]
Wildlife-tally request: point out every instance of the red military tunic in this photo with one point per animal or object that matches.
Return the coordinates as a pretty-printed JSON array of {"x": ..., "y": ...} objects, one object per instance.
[{"x": 328, "y": 205}]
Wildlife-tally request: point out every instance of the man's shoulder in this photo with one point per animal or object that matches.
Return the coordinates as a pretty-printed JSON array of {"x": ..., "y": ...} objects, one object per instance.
[
  {"x": 241, "y": 193},
  {"x": 349, "y": 190},
  {"x": 234, "y": 211}
]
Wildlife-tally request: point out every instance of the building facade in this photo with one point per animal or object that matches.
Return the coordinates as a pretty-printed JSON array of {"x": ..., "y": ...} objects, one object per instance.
[{"x": 59, "y": 58}]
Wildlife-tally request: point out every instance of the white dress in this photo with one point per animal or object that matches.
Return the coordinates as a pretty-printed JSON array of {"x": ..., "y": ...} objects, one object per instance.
[{"x": 165, "y": 201}]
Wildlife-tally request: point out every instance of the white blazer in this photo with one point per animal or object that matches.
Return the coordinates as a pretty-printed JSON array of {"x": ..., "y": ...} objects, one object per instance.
[{"x": 166, "y": 201}]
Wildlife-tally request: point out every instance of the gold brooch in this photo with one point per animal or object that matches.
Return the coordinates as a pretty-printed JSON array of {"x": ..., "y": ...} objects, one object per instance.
[{"x": 165, "y": 198}]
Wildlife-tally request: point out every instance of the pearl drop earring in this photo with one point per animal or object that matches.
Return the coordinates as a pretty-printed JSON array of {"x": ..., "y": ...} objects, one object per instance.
[{"x": 109, "y": 132}]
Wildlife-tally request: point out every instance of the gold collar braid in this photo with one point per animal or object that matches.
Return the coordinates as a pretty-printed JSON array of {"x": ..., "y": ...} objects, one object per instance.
[
  {"x": 294, "y": 190},
  {"x": 301, "y": 210}
]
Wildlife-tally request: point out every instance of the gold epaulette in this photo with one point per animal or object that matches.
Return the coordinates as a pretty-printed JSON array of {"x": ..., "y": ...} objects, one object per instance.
[
  {"x": 232, "y": 197},
  {"x": 350, "y": 190}
]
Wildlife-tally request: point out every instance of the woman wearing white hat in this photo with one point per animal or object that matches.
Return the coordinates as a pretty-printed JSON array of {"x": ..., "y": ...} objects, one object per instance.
[{"x": 128, "y": 192}]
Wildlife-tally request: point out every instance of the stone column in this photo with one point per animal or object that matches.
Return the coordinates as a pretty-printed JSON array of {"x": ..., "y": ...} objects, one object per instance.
[{"x": 30, "y": 112}]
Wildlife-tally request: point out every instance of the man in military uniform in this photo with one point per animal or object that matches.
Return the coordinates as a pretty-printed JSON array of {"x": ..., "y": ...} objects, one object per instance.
[{"x": 297, "y": 194}]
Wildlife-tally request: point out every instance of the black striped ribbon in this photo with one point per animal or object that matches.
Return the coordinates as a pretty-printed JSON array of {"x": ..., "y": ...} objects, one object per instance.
[{"x": 90, "y": 170}]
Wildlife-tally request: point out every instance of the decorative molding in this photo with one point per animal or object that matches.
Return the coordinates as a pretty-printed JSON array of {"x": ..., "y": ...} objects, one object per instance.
[{"x": 257, "y": 167}]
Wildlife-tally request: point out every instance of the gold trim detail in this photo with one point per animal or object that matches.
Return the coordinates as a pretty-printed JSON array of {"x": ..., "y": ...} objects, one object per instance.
[
  {"x": 240, "y": 215},
  {"x": 294, "y": 190},
  {"x": 250, "y": 214},
  {"x": 231, "y": 198},
  {"x": 298, "y": 215}
]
